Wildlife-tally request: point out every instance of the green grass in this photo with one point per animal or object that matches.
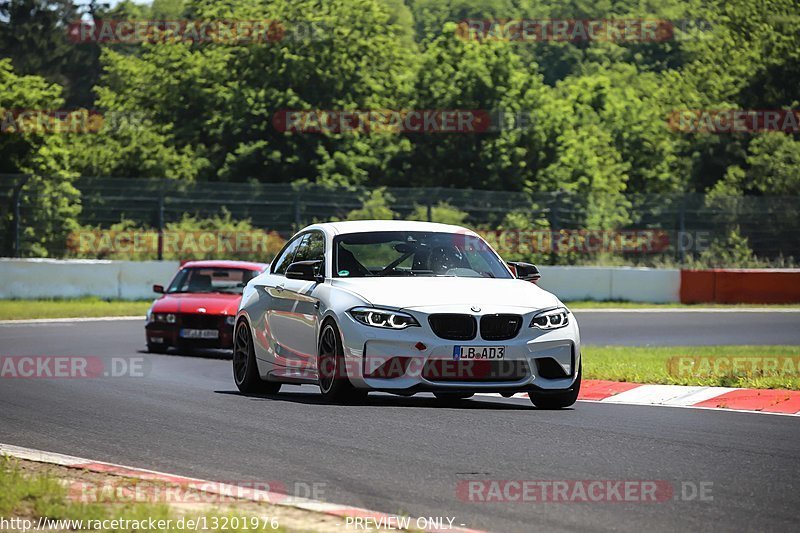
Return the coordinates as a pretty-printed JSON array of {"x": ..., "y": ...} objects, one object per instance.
[
  {"x": 32, "y": 495},
  {"x": 35, "y": 495},
  {"x": 79, "y": 307},
  {"x": 652, "y": 365},
  {"x": 590, "y": 304}
]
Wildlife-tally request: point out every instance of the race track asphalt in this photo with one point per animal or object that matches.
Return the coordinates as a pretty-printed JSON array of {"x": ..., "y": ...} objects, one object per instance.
[
  {"x": 671, "y": 328},
  {"x": 407, "y": 455}
]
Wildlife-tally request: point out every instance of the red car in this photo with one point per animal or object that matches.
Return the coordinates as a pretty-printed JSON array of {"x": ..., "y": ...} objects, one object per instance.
[{"x": 198, "y": 308}]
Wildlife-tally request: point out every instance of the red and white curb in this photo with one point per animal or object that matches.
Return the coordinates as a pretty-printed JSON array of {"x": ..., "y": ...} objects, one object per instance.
[
  {"x": 211, "y": 487},
  {"x": 763, "y": 401}
]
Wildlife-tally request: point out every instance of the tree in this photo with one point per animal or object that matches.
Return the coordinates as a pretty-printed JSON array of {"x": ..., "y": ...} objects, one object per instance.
[
  {"x": 479, "y": 79},
  {"x": 442, "y": 213},
  {"x": 376, "y": 207},
  {"x": 34, "y": 35},
  {"x": 229, "y": 120},
  {"x": 49, "y": 201}
]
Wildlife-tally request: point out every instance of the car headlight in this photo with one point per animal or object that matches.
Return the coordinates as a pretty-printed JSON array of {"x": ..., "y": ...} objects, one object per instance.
[
  {"x": 158, "y": 317},
  {"x": 171, "y": 318},
  {"x": 230, "y": 320},
  {"x": 551, "y": 318},
  {"x": 381, "y": 318}
]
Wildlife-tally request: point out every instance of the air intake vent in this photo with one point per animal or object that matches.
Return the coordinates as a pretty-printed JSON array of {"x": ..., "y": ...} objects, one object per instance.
[
  {"x": 200, "y": 321},
  {"x": 500, "y": 327},
  {"x": 549, "y": 368},
  {"x": 454, "y": 327}
]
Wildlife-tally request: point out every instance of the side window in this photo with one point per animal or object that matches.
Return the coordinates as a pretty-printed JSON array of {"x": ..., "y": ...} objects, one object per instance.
[
  {"x": 313, "y": 247},
  {"x": 286, "y": 258}
]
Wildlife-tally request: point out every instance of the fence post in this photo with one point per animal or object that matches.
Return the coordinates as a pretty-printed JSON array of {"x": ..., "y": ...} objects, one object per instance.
[
  {"x": 555, "y": 206},
  {"x": 161, "y": 226},
  {"x": 16, "y": 221},
  {"x": 297, "y": 221},
  {"x": 682, "y": 230},
  {"x": 429, "y": 202}
]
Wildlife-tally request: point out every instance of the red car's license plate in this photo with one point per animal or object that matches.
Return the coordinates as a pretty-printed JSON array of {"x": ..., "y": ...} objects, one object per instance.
[{"x": 199, "y": 333}]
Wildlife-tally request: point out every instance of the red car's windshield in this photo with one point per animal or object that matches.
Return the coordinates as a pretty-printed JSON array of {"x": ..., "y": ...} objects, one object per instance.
[{"x": 229, "y": 280}]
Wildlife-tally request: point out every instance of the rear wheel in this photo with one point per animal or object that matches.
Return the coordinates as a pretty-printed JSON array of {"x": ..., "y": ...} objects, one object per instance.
[
  {"x": 559, "y": 400},
  {"x": 333, "y": 381},
  {"x": 245, "y": 371}
]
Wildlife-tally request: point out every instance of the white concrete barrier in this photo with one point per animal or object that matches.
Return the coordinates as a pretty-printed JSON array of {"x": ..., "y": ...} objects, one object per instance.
[
  {"x": 136, "y": 278},
  {"x": 577, "y": 283},
  {"x": 656, "y": 285},
  {"x": 133, "y": 280},
  {"x": 74, "y": 278},
  {"x": 653, "y": 285}
]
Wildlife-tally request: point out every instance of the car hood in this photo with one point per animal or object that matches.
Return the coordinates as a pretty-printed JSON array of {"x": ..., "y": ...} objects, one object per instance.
[
  {"x": 213, "y": 303},
  {"x": 415, "y": 293}
]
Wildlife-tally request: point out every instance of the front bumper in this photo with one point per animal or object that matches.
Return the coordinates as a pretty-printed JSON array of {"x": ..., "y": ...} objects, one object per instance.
[
  {"x": 162, "y": 333},
  {"x": 415, "y": 359}
]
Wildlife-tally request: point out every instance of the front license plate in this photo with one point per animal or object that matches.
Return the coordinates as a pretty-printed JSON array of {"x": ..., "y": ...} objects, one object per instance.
[
  {"x": 199, "y": 333},
  {"x": 479, "y": 352}
]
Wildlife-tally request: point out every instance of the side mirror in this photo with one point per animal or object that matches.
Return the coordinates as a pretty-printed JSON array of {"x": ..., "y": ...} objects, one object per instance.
[
  {"x": 306, "y": 271},
  {"x": 525, "y": 271},
  {"x": 158, "y": 288}
]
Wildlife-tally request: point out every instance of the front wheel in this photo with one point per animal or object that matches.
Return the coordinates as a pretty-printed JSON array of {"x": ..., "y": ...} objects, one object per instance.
[
  {"x": 245, "y": 371},
  {"x": 333, "y": 381},
  {"x": 559, "y": 400}
]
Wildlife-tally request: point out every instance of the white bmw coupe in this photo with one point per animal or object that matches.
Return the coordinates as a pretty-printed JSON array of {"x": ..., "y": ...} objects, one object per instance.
[{"x": 404, "y": 307}]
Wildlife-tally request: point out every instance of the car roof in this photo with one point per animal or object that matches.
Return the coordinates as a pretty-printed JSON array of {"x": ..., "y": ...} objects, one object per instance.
[
  {"x": 370, "y": 226},
  {"x": 218, "y": 263}
]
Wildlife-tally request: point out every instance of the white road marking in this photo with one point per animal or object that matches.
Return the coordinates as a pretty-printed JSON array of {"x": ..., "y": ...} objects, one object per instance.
[{"x": 667, "y": 395}]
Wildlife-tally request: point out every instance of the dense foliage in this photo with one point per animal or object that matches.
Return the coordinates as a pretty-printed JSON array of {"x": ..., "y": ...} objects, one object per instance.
[{"x": 588, "y": 118}]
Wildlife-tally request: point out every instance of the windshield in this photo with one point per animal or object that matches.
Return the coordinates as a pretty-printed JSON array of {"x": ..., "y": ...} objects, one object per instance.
[
  {"x": 228, "y": 280},
  {"x": 414, "y": 253}
]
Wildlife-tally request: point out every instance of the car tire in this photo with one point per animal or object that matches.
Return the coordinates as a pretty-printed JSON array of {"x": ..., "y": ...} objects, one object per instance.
[
  {"x": 451, "y": 396},
  {"x": 334, "y": 384},
  {"x": 157, "y": 348},
  {"x": 558, "y": 400},
  {"x": 245, "y": 370}
]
